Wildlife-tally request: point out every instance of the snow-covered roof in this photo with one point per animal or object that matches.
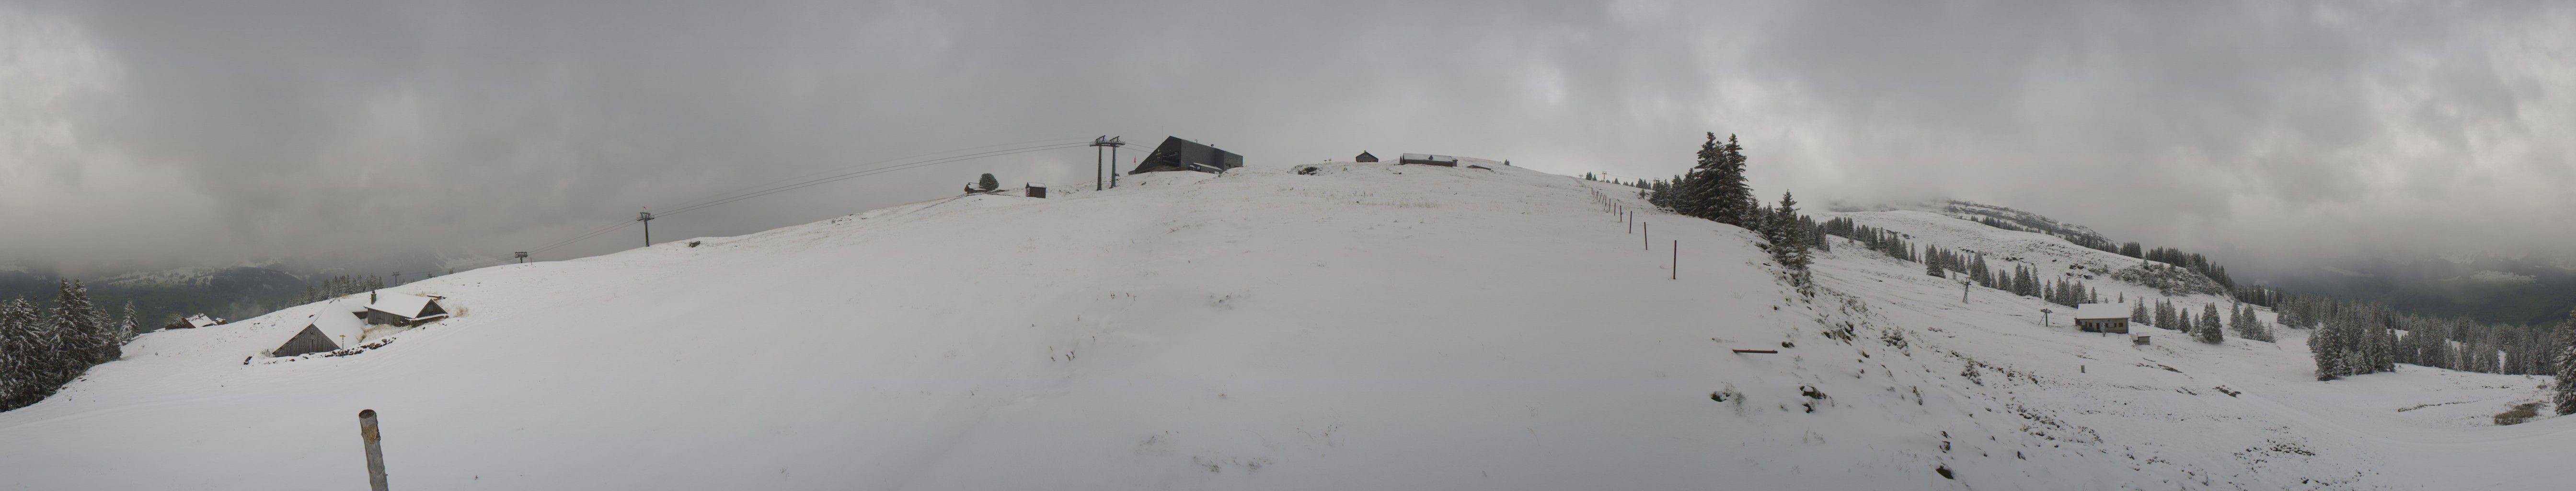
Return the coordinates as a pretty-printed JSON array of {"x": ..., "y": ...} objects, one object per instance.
[
  {"x": 1424, "y": 157},
  {"x": 2101, "y": 311},
  {"x": 407, "y": 306},
  {"x": 343, "y": 329},
  {"x": 200, "y": 320}
]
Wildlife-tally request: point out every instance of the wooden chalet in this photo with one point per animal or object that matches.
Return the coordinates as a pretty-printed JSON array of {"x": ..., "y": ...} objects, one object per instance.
[{"x": 2102, "y": 317}]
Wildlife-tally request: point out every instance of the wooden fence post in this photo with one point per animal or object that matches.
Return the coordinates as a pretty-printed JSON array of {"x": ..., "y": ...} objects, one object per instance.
[
  {"x": 1677, "y": 260},
  {"x": 375, "y": 453}
]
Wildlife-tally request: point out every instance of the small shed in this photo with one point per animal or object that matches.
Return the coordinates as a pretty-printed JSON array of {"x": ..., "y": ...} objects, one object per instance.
[
  {"x": 1428, "y": 159},
  {"x": 323, "y": 332},
  {"x": 403, "y": 310},
  {"x": 1037, "y": 189},
  {"x": 2102, "y": 317},
  {"x": 1364, "y": 157}
]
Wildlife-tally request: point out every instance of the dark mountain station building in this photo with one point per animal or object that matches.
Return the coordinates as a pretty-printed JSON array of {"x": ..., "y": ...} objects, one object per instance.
[{"x": 1178, "y": 154}]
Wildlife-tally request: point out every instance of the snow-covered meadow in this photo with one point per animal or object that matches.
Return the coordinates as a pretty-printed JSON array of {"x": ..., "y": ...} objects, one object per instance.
[{"x": 1361, "y": 326}]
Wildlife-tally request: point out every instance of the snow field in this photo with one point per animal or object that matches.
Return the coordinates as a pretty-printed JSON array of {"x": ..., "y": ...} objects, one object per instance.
[{"x": 1368, "y": 326}]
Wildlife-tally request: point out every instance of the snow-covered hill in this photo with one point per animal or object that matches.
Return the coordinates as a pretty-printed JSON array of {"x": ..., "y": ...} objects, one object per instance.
[{"x": 1359, "y": 326}]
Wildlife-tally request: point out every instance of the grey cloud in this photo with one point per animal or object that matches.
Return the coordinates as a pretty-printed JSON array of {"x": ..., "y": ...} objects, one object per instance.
[{"x": 376, "y": 134}]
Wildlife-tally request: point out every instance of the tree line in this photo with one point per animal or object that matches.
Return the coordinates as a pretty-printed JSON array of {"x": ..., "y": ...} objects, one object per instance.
[
  {"x": 42, "y": 348},
  {"x": 2355, "y": 337},
  {"x": 339, "y": 286}
]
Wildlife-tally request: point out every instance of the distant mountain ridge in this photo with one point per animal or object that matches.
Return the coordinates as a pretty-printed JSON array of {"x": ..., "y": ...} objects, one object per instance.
[
  {"x": 160, "y": 296},
  {"x": 2000, "y": 217}
]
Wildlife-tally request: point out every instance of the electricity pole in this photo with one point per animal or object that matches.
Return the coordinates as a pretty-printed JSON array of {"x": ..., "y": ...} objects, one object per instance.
[
  {"x": 1102, "y": 166},
  {"x": 647, "y": 218}
]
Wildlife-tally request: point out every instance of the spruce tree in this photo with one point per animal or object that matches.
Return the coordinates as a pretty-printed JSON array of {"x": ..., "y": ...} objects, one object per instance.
[
  {"x": 126, "y": 327},
  {"x": 2563, "y": 391},
  {"x": 1694, "y": 193},
  {"x": 1788, "y": 244},
  {"x": 34, "y": 361},
  {"x": 1977, "y": 272},
  {"x": 18, "y": 351},
  {"x": 2324, "y": 346},
  {"x": 2209, "y": 331},
  {"x": 988, "y": 183},
  {"x": 1730, "y": 197},
  {"x": 89, "y": 337}
]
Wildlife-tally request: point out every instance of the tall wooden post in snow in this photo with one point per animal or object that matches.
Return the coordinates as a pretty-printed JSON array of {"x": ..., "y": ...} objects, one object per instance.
[{"x": 375, "y": 453}]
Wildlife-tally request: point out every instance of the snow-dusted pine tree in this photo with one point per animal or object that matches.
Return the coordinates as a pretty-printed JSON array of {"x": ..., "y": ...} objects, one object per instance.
[
  {"x": 88, "y": 337},
  {"x": 1731, "y": 198},
  {"x": 2563, "y": 391},
  {"x": 2209, "y": 331},
  {"x": 125, "y": 326},
  {"x": 2320, "y": 348}
]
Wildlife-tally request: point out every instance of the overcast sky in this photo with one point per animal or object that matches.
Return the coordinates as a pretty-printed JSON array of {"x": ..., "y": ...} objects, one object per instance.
[{"x": 386, "y": 134}]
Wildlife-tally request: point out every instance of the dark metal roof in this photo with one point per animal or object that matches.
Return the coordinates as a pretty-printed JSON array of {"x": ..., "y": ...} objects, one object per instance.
[{"x": 1177, "y": 154}]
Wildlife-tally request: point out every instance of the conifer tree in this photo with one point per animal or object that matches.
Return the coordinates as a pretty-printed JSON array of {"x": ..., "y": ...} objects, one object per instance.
[
  {"x": 1694, "y": 192},
  {"x": 2563, "y": 391},
  {"x": 1730, "y": 199},
  {"x": 20, "y": 347},
  {"x": 2209, "y": 331},
  {"x": 2138, "y": 314},
  {"x": 1977, "y": 272},
  {"x": 125, "y": 326},
  {"x": 1816, "y": 236},
  {"x": 2324, "y": 345},
  {"x": 988, "y": 183},
  {"x": 1788, "y": 234},
  {"x": 36, "y": 360}
]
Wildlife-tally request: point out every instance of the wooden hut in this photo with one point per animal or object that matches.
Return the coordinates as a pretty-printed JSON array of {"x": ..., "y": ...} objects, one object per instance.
[
  {"x": 1364, "y": 157},
  {"x": 1036, "y": 189},
  {"x": 1428, "y": 159},
  {"x": 403, "y": 310},
  {"x": 2102, "y": 317},
  {"x": 326, "y": 331}
]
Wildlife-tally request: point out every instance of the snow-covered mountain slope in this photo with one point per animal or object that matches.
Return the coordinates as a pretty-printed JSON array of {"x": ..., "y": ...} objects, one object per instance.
[{"x": 1360, "y": 326}]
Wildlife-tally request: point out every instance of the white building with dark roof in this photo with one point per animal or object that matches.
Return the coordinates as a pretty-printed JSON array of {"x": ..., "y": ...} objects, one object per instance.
[{"x": 2102, "y": 317}]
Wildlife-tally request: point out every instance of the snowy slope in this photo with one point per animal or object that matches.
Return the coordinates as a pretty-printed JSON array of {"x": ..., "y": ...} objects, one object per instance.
[{"x": 1366, "y": 326}]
